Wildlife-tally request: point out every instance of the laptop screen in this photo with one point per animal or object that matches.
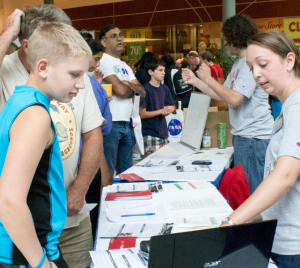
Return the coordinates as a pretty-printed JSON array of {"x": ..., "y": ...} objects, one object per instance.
[{"x": 247, "y": 246}]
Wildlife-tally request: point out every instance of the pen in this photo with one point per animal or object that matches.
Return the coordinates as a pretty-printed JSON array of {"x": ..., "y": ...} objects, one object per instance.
[
  {"x": 134, "y": 215},
  {"x": 160, "y": 162},
  {"x": 208, "y": 167}
]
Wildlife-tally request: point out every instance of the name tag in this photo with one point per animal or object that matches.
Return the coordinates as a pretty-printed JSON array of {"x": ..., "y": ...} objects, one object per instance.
[{"x": 278, "y": 124}]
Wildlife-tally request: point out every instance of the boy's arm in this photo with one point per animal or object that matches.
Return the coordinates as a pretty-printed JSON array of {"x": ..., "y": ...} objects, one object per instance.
[
  {"x": 150, "y": 114},
  {"x": 30, "y": 134}
]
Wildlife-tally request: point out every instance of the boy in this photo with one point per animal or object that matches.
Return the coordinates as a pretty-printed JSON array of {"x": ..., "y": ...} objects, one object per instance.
[
  {"x": 32, "y": 193},
  {"x": 154, "y": 107}
]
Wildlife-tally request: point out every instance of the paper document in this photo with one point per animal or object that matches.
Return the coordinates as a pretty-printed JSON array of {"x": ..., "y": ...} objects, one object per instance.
[
  {"x": 135, "y": 187},
  {"x": 156, "y": 170},
  {"x": 170, "y": 156},
  {"x": 118, "y": 258},
  {"x": 128, "y": 204},
  {"x": 87, "y": 207},
  {"x": 194, "y": 185},
  {"x": 202, "y": 219},
  {"x": 197, "y": 168},
  {"x": 208, "y": 155},
  {"x": 147, "y": 213},
  {"x": 205, "y": 202},
  {"x": 135, "y": 230}
]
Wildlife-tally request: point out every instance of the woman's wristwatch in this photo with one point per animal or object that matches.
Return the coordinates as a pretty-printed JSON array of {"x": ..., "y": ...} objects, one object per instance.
[{"x": 227, "y": 220}]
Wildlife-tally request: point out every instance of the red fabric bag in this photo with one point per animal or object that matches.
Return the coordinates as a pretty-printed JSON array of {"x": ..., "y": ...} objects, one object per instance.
[{"x": 234, "y": 186}]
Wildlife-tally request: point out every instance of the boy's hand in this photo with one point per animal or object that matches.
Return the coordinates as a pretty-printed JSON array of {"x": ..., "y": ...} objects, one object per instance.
[
  {"x": 75, "y": 201},
  {"x": 98, "y": 75},
  {"x": 204, "y": 73},
  {"x": 188, "y": 76},
  {"x": 170, "y": 109},
  {"x": 13, "y": 23}
]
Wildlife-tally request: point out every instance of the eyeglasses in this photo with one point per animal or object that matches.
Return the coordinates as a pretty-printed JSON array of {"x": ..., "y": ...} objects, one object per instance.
[{"x": 115, "y": 36}]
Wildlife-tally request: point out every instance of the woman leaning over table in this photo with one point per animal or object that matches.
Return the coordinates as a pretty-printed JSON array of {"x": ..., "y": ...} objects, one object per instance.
[{"x": 273, "y": 59}]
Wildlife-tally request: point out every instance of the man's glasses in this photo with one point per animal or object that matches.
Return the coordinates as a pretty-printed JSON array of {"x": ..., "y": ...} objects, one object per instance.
[{"x": 115, "y": 36}]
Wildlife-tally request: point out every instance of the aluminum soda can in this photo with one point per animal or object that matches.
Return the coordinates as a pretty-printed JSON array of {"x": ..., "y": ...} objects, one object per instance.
[{"x": 222, "y": 136}]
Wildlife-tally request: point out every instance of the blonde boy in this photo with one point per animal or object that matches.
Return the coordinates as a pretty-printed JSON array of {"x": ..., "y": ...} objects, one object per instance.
[{"x": 32, "y": 193}]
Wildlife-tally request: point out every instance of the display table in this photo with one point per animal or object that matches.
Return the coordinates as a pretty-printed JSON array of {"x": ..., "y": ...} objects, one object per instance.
[{"x": 220, "y": 158}]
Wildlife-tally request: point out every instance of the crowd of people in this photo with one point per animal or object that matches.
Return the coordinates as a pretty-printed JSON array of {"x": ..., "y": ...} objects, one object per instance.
[{"x": 63, "y": 138}]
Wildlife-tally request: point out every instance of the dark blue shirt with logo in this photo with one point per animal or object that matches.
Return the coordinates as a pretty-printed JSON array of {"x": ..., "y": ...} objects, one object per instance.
[{"x": 156, "y": 98}]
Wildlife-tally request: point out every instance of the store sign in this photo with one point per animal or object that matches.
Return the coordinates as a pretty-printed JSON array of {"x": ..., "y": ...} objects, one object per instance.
[
  {"x": 135, "y": 33},
  {"x": 292, "y": 28},
  {"x": 135, "y": 50}
]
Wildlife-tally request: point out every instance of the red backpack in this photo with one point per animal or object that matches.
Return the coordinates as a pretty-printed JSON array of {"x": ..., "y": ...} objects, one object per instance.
[{"x": 234, "y": 186}]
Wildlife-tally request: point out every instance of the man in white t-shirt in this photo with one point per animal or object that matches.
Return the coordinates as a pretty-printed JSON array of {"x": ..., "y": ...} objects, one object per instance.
[
  {"x": 249, "y": 111},
  {"x": 118, "y": 144},
  {"x": 81, "y": 116}
]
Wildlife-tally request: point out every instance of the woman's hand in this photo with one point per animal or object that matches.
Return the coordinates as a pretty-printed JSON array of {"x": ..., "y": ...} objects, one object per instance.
[
  {"x": 188, "y": 76},
  {"x": 204, "y": 73}
]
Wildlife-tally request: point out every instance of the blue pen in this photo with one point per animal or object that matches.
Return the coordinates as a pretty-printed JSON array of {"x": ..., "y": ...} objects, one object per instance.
[{"x": 134, "y": 215}]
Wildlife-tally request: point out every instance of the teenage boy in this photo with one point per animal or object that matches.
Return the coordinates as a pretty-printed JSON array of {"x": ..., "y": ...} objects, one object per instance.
[
  {"x": 153, "y": 109},
  {"x": 33, "y": 207},
  {"x": 118, "y": 145},
  {"x": 79, "y": 117},
  {"x": 249, "y": 110}
]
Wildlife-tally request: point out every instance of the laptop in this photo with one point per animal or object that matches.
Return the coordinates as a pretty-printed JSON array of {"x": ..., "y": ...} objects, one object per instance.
[{"x": 239, "y": 246}]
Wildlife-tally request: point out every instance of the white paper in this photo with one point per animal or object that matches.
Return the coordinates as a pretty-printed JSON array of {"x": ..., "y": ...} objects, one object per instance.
[
  {"x": 208, "y": 156},
  {"x": 135, "y": 187},
  {"x": 186, "y": 186},
  {"x": 156, "y": 170},
  {"x": 189, "y": 203},
  {"x": 135, "y": 230},
  {"x": 135, "y": 169},
  {"x": 202, "y": 219},
  {"x": 163, "y": 155},
  {"x": 197, "y": 168},
  {"x": 159, "y": 213},
  {"x": 87, "y": 207},
  {"x": 128, "y": 204},
  {"x": 118, "y": 258}
]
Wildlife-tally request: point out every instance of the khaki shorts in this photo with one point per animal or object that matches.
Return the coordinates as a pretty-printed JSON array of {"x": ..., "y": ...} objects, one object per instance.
[{"x": 75, "y": 244}]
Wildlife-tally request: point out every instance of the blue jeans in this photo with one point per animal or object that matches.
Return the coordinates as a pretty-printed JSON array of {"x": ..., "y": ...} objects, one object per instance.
[
  {"x": 286, "y": 261},
  {"x": 118, "y": 147},
  {"x": 251, "y": 153}
]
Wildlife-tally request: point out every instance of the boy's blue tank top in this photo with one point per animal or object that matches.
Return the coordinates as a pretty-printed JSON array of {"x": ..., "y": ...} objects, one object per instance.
[{"x": 47, "y": 195}]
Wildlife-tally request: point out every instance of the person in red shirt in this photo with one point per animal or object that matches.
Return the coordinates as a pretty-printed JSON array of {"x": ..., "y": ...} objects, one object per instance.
[{"x": 216, "y": 70}]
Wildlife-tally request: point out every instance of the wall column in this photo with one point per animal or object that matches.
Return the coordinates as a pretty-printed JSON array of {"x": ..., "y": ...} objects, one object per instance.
[{"x": 228, "y": 10}]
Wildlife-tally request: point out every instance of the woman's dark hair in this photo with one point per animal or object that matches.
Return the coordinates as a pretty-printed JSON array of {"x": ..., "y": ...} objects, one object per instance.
[
  {"x": 279, "y": 43},
  {"x": 146, "y": 56},
  {"x": 167, "y": 58},
  {"x": 238, "y": 29},
  {"x": 94, "y": 45}
]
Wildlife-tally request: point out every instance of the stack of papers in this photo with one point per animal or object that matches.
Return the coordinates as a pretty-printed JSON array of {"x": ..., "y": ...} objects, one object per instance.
[
  {"x": 145, "y": 214},
  {"x": 135, "y": 230},
  {"x": 202, "y": 219},
  {"x": 135, "y": 187},
  {"x": 194, "y": 185},
  {"x": 129, "y": 196},
  {"x": 118, "y": 258},
  {"x": 190, "y": 203},
  {"x": 197, "y": 168}
]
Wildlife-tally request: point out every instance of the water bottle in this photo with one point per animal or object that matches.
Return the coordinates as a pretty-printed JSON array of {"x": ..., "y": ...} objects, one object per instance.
[{"x": 206, "y": 141}]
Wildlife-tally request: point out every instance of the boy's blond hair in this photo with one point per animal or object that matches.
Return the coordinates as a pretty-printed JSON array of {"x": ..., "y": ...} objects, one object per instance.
[{"x": 56, "y": 42}]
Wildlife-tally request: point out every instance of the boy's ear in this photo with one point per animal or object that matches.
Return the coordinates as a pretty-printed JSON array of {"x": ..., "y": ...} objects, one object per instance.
[
  {"x": 150, "y": 72},
  {"x": 41, "y": 68},
  {"x": 24, "y": 45}
]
